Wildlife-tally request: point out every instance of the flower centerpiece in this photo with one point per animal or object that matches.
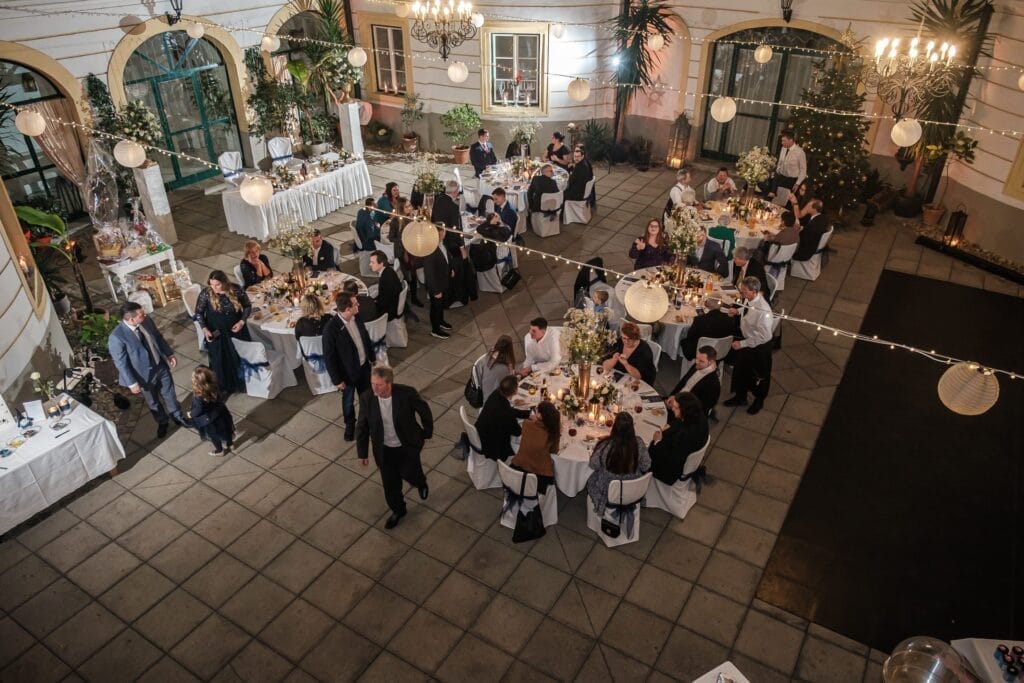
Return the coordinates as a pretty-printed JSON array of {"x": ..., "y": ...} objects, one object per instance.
[
  {"x": 46, "y": 389},
  {"x": 523, "y": 132},
  {"x": 606, "y": 393},
  {"x": 755, "y": 166},
  {"x": 292, "y": 240},
  {"x": 284, "y": 177},
  {"x": 682, "y": 227},
  {"x": 138, "y": 123},
  {"x": 316, "y": 288},
  {"x": 572, "y": 405},
  {"x": 586, "y": 338},
  {"x": 427, "y": 177}
]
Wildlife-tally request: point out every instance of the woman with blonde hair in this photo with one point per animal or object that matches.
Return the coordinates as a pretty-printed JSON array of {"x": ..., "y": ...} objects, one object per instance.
[
  {"x": 209, "y": 414},
  {"x": 222, "y": 309},
  {"x": 255, "y": 266},
  {"x": 651, "y": 249},
  {"x": 313, "y": 319}
]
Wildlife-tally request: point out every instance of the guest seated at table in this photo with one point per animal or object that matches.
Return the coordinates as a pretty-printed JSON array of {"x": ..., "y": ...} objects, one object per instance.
[
  {"x": 368, "y": 311},
  {"x": 681, "y": 189},
  {"x": 540, "y": 440},
  {"x": 386, "y": 203},
  {"x": 390, "y": 287},
  {"x": 494, "y": 228},
  {"x": 410, "y": 263},
  {"x": 650, "y": 249},
  {"x": 686, "y": 434},
  {"x": 789, "y": 233},
  {"x": 322, "y": 256},
  {"x": 496, "y": 364},
  {"x": 581, "y": 174},
  {"x": 255, "y": 266},
  {"x": 814, "y": 226},
  {"x": 600, "y": 299},
  {"x": 499, "y": 421},
  {"x": 481, "y": 152},
  {"x": 222, "y": 309},
  {"x": 745, "y": 266},
  {"x": 313, "y": 319},
  {"x": 620, "y": 455},
  {"x": 366, "y": 226},
  {"x": 543, "y": 348},
  {"x": 714, "y": 324},
  {"x": 721, "y": 186},
  {"x": 701, "y": 380},
  {"x": 589, "y": 275},
  {"x": 632, "y": 355},
  {"x": 503, "y": 208},
  {"x": 543, "y": 183},
  {"x": 557, "y": 152},
  {"x": 708, "y": 255},
  {"x": 799, "y": 200}
]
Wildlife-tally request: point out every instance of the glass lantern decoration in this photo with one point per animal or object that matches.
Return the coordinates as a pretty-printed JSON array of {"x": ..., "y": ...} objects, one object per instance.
[{"x": 678, "y": 142}]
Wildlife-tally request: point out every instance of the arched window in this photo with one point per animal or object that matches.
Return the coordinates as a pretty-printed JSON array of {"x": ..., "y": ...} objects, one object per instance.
[{"x": 184, "y": 82}]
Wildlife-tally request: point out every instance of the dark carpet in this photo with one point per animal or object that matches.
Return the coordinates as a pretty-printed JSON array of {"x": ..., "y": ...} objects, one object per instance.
[{"x": 910, "y": 518}]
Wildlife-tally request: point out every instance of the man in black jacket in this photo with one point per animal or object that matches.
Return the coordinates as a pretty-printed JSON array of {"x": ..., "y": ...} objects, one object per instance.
[
  {"x": 743, "y": 265},
  {"x": 322, "y": 256},
  {"x": 437, "y": 274},
  {"x": 481, "y": 152},
  {"x": 543, "y": 183},
  {"x": 581, "y": 174},
  {"x": 446, "y": 212},
  {"x": 390, "y": 286},
  {"x": 811, "y": 232},
  {"x": 387, "y": 420},
  {"x": 348, "y": 355},
  {"x": 701, "y": 379},
  {"x": 714, "y": 324},
  {"x": 499, "y": 421},
  {"x": 708, "y": 255}
]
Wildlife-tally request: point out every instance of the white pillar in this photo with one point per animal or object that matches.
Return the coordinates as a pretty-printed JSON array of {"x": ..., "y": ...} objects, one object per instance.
[
  {"x": 154, "y": 201},
  {"x": 348, "y": 120}
]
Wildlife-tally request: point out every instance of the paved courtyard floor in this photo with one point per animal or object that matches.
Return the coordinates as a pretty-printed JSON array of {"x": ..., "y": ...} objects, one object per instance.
[{"x": 273, "y": 563}]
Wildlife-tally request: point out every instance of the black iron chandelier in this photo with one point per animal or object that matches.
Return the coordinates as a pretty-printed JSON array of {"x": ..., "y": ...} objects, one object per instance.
[
  {"x": 443, "y": 26},
  {"x": 173, "y": 19}
]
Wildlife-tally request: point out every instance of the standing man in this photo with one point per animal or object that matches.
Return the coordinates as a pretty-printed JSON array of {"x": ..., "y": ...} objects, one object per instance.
[
  {"x": 753, "y": 352},
  {"x": 390, "y": 286},
  {"x": 446, "y": 212},
  {"x": 347, "y": 356},
  {"x": 144, "y": 361},
  {"x": 322, "y": 256},
  {"x": 791, "y": 170},
  {"x": 438, "y": 274},
  {"x": 387, "y": 419},
  {"x": 481, "y": 152}
]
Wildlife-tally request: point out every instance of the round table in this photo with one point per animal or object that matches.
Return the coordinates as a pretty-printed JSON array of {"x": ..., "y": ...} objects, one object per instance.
[
  {"x": 572, "y": 462},
  {"x": 501, "y": 175},
  {"x": 748, "y": 234},
  {"x": 274, "y": 319}
]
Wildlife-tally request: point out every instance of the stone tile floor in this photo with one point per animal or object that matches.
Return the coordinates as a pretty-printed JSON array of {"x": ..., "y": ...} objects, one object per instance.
[{"x": 273, "y": 563}]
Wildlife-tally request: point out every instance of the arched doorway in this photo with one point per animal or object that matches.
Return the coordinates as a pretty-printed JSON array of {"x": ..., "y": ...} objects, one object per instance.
[
  {"x": 185, "y": 83},
  {"x": 734, "y": 72}
]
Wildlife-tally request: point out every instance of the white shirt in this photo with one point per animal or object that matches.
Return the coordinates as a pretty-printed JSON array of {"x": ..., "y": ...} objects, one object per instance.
[
  {"x": 714, "y": 186},
  {"x": 357, "y": 339},
  {"x": 697, "y": 376},
  {"x": 544, "y": 355},
  {"x": 756, "y": 323},
  {"x": 792, "y": 163},
  {"x": 676, "y": 193},
  {"x": 388, "y": 419}
]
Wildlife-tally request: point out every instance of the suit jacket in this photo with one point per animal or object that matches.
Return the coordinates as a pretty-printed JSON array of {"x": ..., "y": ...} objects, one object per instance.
[
  {"x": 708, "y": 390},
  {"x": 324, "y": 258},
  {"x": 437, "y": 273},
  {"x": 679, "y": 440},
  {"x": 388, "y": 291},
  {"x": 712, "y": 260},
  {"x": 340, "y": 353},
  {"x": 540, "y": 185},
  {"x": 754, "y": 269},
  {"x": 249, "y": 277},
  {"x": 714, "y": 324},
  {"x": 497, "y": 424},
  {"x": 810, "y": 235},
  {"x": 367, "y": 229},
  {"x": 130, "y": 356},
  {"x": 406, "y": 404},
  {"x": 581, "y": 174},
  {"x": 481, "y": 158},
  {"x": 446, "y": 212},
  {"x": 509, "y": 216}
]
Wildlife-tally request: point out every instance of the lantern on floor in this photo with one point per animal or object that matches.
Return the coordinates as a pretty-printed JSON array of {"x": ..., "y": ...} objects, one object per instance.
[
  {"x": 256, "y": 190},
  {"x": 906, "y": 132},
  {"x": 678, "y": 142},
  {"x": 129, "y": 153},
  {"x": 30, "y": 123},
  {"x": 579, "y": 90},
  {"x": 647, "y": 303},
  {"x": 968, "y": 389},
  {"x": 420, "y": 238},
  {"x": 357, "y": 56},
  {"x": 723, "y": 109},
  {"x": 458, "y": 72},
  {"x": 270, "y": 44}
]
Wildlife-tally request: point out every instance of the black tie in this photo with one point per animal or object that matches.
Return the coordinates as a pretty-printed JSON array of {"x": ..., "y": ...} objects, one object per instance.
[{"x": 145, "y": 345}]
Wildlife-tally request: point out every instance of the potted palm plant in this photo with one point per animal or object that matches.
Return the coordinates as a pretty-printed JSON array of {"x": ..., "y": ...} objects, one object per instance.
[
  {"x": 958, "y": 147},
  {"x": 61, "y": 243},
  {"x": 459, "y": 122},
  {"x": 412, "y": 111},
  {"x": 638, "y": 23}
]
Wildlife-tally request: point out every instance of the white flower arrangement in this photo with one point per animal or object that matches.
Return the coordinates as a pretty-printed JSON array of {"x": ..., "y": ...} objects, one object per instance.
[
  {"x": 524, "y": 130},
  {"x": 682, "y": 227},
  {"x": 756, "y": 166},
  {"x": 586, "y": 335},
  {"x": 293, "y": 240},
  {"x": 606, "y": 393},
  {"x": 137, "y": 122},
  {"x": 284, "y": 175},
  {"x": 427, "y": 174}
]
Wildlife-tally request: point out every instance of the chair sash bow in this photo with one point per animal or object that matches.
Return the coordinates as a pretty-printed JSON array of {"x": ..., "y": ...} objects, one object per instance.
[
  {"x": 316, "y": 361},
  {"x": 517, "y": 502},
  {"x": 625, "y": 515},
  {"x": 232, "y": 174},
  {"x": 249, "y": 370},
  {"x": 283, "y": 157},
  {"x": 699, "y": 477},
  {"x": 380, "y": 346},
  {"x": 777, "y": 266}
]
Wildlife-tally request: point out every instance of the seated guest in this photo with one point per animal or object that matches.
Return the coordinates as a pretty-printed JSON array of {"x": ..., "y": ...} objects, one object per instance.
[
  {"x": 509, "y": 216},
  {"x": 543, "y": 183},
  {"x": 541, "y": 436},
  {"x": 682, "y": 187},
  {"x": 322, "y": 256},
  {"x": 632, "y": 355},
  {"x": 800, "y": 200},
  {"x": 255, "y": 266},
  {"x": 714, "y": 324},
  {"x": 814, "y": 226},
  {"x": 390, "y": 286},
  {"x": 499, "y": 421},
  {"x": 581, "y": 174},
  {"x": 744, "y": 266},
  {"x": 386, "y": 203},
  {"x": 494, "y": 228},
  {"x": 600, "y": 299},
  {"x": 708, "y": 255},
  {"x": 721, "y": 186},
  {"x": 789, "y": 233},
  {"x": 686, "y": 434},
  {"x": 368, "y": 311},
  {"x": 313, "y": 319},
  {"x": 366, "y": 226},
  {"x": 481, "y": 152},
  {"x": 495, "y": 365},
  {"x": 620, "y": 455},
  {"x": 557, "y": 152},
  {"x": 701, "y": 379},
  {"x": 543, "y": 348},
  {"x": 650, "y": 249}
]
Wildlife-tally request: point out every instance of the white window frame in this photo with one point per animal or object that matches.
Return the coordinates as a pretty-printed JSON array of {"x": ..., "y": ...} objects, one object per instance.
[
  {"x": 489, "y": 76},
  {"x": 395, "y": 59}
]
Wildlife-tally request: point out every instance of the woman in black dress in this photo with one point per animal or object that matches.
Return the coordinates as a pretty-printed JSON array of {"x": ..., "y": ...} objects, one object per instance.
[
  {"x": 631, "y": 355},
  {"x": 312, "y": 322},
  {"x": 558, "y": 153},
  {"x": 222, "y": 309},
  {"x": 255, "y": 266},
  {"x": 209, "y": 414}
]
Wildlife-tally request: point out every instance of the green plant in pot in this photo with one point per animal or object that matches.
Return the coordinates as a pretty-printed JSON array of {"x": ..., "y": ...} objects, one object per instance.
[
  {"x": 958, "y": 147},
  {"x": 459, "y": 123},
  {"x": 60, "y": 242},
  {"x": 380, "y": 132},
  {"x": 412, "y": 111},
  {"x": 94, "y": 332}
]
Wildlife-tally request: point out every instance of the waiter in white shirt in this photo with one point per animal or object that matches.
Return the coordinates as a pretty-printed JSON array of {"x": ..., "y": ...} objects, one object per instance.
[
  {"x": 681, "y": 192},
  {"x": 791, "y": 170},
  {"x": 543, "y": 348},
  {"x": 753, "y": 353}
]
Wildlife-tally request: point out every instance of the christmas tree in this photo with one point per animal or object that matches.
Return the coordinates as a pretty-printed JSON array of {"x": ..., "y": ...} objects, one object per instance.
[{"x": 837, "y": 161}]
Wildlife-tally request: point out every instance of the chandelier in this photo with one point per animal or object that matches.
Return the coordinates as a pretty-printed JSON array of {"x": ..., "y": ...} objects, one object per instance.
[{"x": 443, "y": 26}]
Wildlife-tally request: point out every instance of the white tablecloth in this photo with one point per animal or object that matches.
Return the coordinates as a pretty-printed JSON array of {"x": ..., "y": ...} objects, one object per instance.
[
  {"x": 44, "y": 468},
  {"x": 748, "y": 234},
  {"x": 351, "y": 183},
  {"x": 572, "y": 463},
  {"x": 122, "y": 268},
  {"x": 499, "y": 175},
  {"x": 980, "y": 652}
]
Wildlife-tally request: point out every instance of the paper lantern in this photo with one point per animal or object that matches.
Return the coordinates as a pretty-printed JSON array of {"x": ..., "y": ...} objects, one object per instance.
[
  {"x": 458, "y": 72},
  {"x": 256, "y": 190},
  {"x": 1020, "y": 82},
  {"x": 763, "y": 54},
  {"x": 30, "y": 123},
  {"x": 579, "y": 89},
  {"x": 402, "y": 10},
  {"x": 420, "y": 238},
  {"x": 647, "y": 303},
  {"x": 968, "y": 389},
  {"x": 357, "y": 56},
  {"x": 558, "y": 30},
  {"x": 656, "y": 42},
  {"x": 906, "y": 132},
  {"x": 478, "y": 19},
  {"x": 129, "y": 153},
  {"x": 723, "y": 109},
  {"x": 195, "y": 31},
  {"x": 270, "y": 44}
]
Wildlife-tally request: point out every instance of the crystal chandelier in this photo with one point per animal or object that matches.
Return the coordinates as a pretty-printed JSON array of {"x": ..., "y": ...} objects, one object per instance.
[{"x": 443, "y": 26}]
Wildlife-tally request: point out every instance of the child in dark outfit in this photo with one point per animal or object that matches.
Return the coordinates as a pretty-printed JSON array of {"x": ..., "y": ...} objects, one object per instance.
[{"x": 209, "y": 414}]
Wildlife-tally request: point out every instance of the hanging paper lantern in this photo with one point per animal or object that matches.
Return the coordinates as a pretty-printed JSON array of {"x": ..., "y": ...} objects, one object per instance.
[
  {"x": 906, "y": 132},
  {"x": 558, "y": 30},
  {"x": 579, "y": 89},
  {"x": 763, "y": 54},
  {"x": 357, "y": 56},
  {"x": 968, "y": 389},
  {"x": 1020, "y": 82},
  {"x": 458, "y": 72},
  {"x": 420, "y": 238},
  {"x": 478, "y": 19},
  {"x": 30, "y": 123},
  {"x": 656, "y": 42},
  {"x": 195, "y": 31},
  {"x": 723, "y": 109},
  {"x": 647, "y": 303},
  {"x": 256, "y": 190},
  {"x": 270, "y": 44},
  {"x": 129, "y": 153},
  {"x": 402, "y": 10}
]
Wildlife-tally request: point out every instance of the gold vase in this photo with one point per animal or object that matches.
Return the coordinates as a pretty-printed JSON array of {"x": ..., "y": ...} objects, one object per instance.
[
  {"x": 299, "y": 274},
  {"x": 680, "y": 270},
  {"x": 583, "y": 381}
]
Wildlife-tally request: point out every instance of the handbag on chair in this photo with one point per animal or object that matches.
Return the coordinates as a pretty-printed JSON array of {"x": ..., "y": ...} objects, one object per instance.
[
  {"x": 529, "y": 525},
  {"x": 473, "y": 392},
  {"x": 511, "y": 278},
  {"x": 609, "y": 528}
]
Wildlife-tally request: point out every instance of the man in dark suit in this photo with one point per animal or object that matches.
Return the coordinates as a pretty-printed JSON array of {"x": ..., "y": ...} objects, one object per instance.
[
  {"x": 543, "y": 183},
  {"x": 390, "y": 286},
  {"x": 322, "y": 257},
  {"x": 348, "y": 355},
  {"x": 481, "y": 152},
  {"x": 387, "y": 420},
  {"x": 744, "y": 265},
  {"x": 810, "y": 234},
  {"x": 714, "y": 324},
  {"x": 438, "y": 274},
  {"x": 581, "y": 174},
  {"x": 499, "y": 421},
  {"x": 508, "y": 215},
  {"x": 367, "y": 305},
  {"x": 701, "y": 379},
  {"x": 446, "y": 212},
  {"x": 708, "y": 255},
  {"x": 366, "y": 226},
  {"x": 144, "y": 361}
]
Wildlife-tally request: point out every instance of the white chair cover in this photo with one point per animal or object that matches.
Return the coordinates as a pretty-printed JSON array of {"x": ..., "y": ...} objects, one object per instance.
[
  {"x": 543, "y": 226},
  {"x": 578, "y": 211},
  {"x": 231, "y": 167},
  {"x": 722, "y": 346},
  {"x": 364, "y": 256},
  {"x": 489, "y": 208},
  {"x": 632, "y": 492},
  {"x": 512, "y": 479},
  {"x": 397, "y": 335},
  {"x": 781, "y": 196},
  {"x": 467, "y": 196},
  {"x": 681, "y": 496},
  {"x": 811, "y": 268},
  {"x": 777, "y": 264},
  {"x": 646, "y": 331},
  {"x": 189, "y": 297},
  {"x": 618, "y": 308},
  {"x": 773, "y": 287},
  {"x": 280, "y": 150},
  {"x": 655, "y": 351},
  {"x": 143, "y": 298},
  {"x": 270, "y": 373},
  {"x": 388, "y": 249},
  {"x": 312, "y": 350},
  {"x": 378, "y": 329},
  {"x": 238, "y": 275},
  {"x": 482, "y": 471}
]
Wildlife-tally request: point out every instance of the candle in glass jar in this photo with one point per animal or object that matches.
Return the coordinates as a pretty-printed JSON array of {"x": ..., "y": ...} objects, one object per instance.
[
  {"x": 64, "y": 405},
  {"x": 53, "y": 411}
]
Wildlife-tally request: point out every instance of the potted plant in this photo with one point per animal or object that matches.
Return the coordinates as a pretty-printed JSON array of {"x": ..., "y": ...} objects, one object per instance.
[
  {"x": 380, "y": 131},
  {"x": 412, "y": 111},
  {"x": 60, "y": 242},
  {"x": 958, "y": 147},
  {"x": 459, "y": 123}
]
